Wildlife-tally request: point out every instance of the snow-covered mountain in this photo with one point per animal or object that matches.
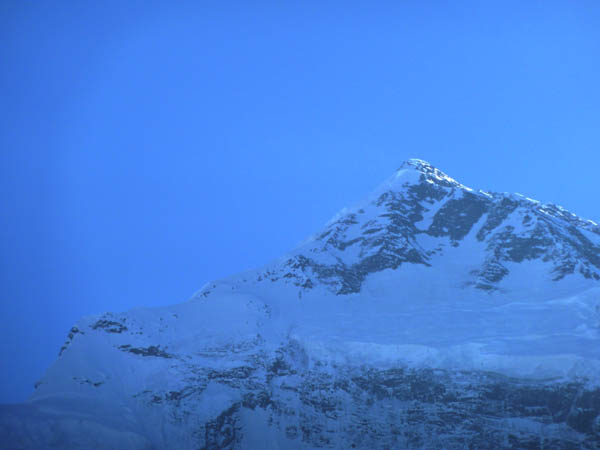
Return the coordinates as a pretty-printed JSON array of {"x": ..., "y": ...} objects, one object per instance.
[{"x": 430, "y": 315}]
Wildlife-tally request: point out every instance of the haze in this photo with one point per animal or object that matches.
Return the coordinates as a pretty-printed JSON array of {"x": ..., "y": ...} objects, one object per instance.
[{"x": 148, "y": 148}]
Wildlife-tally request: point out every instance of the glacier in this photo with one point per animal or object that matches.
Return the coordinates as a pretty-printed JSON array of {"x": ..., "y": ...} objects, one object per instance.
[{"x": 428, "y": 315}]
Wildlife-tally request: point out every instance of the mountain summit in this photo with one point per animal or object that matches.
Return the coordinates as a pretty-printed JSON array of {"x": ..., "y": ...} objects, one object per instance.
[
  {"x": 422, "y": 216},
  {"x": 429, "y": 315},
  {"x": 427, "y": 171}
]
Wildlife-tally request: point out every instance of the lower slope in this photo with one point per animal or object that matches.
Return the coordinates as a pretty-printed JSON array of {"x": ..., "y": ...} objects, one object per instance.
[{"x": 396, "y": 366}]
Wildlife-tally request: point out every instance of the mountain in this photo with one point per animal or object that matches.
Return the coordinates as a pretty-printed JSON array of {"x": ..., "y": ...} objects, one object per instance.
[{"x": 430, "y": 315}]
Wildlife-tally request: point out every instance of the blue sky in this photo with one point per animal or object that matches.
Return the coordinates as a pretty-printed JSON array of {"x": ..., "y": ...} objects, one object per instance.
[{"x": 148, "y": 148}]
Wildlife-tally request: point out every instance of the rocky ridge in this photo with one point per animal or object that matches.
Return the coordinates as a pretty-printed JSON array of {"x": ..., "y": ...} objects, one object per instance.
[{"x": 423, "y": 202}]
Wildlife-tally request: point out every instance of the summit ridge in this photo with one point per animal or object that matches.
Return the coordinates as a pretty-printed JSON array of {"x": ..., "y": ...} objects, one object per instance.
[{"x": 420, "y": 215}]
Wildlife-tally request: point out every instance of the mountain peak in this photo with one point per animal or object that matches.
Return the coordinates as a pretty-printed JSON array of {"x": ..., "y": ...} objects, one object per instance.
[
  {"x": 418, "y": 164},
  {"x": 415, "y": 171},
  {"x": 427, "y": 293}
]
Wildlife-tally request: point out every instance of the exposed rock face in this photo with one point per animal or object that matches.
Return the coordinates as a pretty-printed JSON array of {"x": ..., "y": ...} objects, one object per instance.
[
  {"x": 279, "y": 400},
  {"x": 340, "y": 407},
  {"x": 429, "y": 316},
  {"x": 386, "y": 233}
]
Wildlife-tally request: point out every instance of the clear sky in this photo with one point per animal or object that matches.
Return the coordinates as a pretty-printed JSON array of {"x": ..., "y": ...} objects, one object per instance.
[{"x": 148, "y": 147}]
